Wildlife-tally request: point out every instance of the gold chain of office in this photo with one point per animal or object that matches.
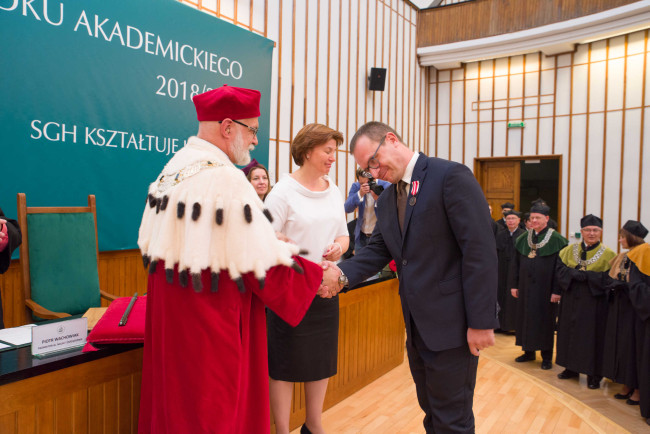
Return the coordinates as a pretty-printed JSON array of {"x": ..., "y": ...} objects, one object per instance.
[
  {"x": 533, "y": 246},
  {"x": 582, "y": 264},
  {"x": 167, "y": 181}
]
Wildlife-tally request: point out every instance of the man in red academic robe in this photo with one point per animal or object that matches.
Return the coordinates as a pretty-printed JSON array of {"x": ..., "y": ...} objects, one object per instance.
[{"x": 214, "y": 262}]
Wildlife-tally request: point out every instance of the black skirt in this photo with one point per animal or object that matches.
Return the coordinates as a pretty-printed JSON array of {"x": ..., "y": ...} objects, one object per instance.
[{"x": 307, "y": 352}]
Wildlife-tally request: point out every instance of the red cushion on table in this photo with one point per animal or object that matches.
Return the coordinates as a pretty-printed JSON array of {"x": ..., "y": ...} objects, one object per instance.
[{"x": 107, "y": 330}]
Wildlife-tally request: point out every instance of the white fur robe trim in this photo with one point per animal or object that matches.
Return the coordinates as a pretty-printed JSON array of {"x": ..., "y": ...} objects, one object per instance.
[{"x": 195, "y": 245}]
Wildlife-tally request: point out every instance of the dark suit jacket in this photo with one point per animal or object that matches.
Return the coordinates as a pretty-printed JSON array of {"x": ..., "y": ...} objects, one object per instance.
[{"x": 446, "y": 260}]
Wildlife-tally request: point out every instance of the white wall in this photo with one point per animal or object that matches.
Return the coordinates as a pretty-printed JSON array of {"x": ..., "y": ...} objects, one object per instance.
[
  {"x": 323, "y": 55},
  {"x": 590, "y": 106}
]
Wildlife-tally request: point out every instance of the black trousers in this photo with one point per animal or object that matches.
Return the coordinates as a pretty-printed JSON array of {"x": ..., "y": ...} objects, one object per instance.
[{"x": 444, "y": 382}]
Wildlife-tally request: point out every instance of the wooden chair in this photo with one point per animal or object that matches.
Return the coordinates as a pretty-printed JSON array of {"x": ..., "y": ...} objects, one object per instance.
[{"x": 59, "y": 259}]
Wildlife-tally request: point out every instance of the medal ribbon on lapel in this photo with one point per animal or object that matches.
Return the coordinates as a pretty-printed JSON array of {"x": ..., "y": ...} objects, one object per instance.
[{"x": 415, "y": 186}]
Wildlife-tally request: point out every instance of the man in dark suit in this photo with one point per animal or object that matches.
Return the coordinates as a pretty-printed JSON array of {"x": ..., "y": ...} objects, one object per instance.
[{"x": 447, "y": 266}]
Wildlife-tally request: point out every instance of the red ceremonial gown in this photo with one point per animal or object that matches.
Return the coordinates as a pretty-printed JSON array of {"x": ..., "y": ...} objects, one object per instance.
[{"x": 205, "y": 357}]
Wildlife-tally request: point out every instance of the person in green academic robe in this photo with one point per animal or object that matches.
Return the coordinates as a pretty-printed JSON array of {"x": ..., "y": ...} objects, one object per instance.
[
  {"x": 532, "y": 282},
  {"x": 582, "y": 275}
]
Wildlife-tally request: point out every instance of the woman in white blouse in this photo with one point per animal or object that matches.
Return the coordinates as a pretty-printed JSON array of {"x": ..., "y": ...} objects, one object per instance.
[{"x": 307, "y": 207}]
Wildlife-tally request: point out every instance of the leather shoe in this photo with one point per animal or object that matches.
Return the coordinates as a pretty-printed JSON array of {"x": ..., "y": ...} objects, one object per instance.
[
  {"x": 566, "y": 374},
  {"x": 304, "y": 429},
  {"x": 546, "y": 365},
  {"x": 623, "y": 396},
  {"x": 593, "y": 382},
  {"x": 525, "y": 358},
  {"x": 631, "y": 402}
]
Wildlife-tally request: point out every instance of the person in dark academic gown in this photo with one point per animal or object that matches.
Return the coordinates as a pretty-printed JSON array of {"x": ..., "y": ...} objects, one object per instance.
[
  {"x": 505, "y": 253},
  {"x": 505, "y": 209},
  {"x": 10, "y": 239},
  {"x": 619, "y": 361},
  {"x": 640, "y": 299},
  {"x": 532, "y": 282},
  {"x": 214, "y": 262},
  {"x": 582, "y": 274}
]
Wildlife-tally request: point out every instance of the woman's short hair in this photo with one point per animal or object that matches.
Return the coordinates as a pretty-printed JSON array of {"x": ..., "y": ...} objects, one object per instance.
[
  {"x": 309, "y": 137},
  {"x": 632, "y": 240}
]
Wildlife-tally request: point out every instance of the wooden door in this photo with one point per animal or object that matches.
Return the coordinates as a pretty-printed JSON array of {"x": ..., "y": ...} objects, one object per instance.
[{"x": 500, "y": 181}]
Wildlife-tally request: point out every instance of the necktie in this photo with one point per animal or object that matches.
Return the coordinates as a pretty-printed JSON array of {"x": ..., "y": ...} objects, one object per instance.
[{"x": 402, "y": 194}]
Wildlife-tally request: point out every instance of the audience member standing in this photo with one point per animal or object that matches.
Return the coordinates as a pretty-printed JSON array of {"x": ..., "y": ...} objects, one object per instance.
[
  {"x": 505, "y": 209},
  {"x": 10, "y": 239},
  {"x": 364, "y": 196},
  {"x": 505, "y": 252},
  {"x": 532, "y": 282},
  {"x": 619, "y": 354},
  {"x": 640, "y": 299},
  {"x": 581, "y": 274},
  {"x": 258, "y": 176},
  {"x": 307, "y": 207}
]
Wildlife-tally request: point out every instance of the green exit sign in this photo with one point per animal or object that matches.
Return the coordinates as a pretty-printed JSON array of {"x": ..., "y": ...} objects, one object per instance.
[{"x": 516, "y": 125}]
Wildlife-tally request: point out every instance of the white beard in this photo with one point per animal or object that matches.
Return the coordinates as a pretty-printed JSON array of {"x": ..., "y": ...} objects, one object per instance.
[{"x": 240, "y": 151}]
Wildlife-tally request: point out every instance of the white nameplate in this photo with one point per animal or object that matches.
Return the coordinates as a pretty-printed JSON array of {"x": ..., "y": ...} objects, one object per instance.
[{"x": 59, "y": 336}]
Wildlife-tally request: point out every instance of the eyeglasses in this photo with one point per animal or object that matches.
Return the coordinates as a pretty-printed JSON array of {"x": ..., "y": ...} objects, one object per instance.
[
  {"x": 253, "y": 130},
  {"x": 373, "y": 163}
]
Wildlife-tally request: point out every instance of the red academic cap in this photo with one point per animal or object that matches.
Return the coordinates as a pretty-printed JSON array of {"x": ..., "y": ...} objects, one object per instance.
[{"x": 227, "y": 102}]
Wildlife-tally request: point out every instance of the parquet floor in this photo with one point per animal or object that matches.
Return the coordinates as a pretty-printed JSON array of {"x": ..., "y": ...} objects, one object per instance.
[{"x": 509, "y": 398}]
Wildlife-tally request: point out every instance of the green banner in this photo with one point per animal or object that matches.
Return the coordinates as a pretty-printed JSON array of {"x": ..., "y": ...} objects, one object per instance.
[{"x": 97, "y": 97}]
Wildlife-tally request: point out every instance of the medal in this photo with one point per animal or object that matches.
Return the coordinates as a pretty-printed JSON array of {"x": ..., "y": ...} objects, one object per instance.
[
  {"x": 412, "y": 201},
  {"x": 532, "y": 254}
]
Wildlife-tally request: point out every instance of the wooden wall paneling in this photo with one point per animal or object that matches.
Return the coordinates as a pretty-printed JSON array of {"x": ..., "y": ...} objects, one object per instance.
[
  {"x": 523, "y": 106},
  {"x": 435, "y": 101},
  {"x": 64, "y": 406},
  {"x": 409, "y": 59},
  {"x": 308, "y": 62},
  {"x": 384, "y": 115},
  {"x": 279, "y": 90},
  {"x": 493, "y": 98},
  {"x": 499, "y": 107},
  {"x": 292, "y": 101},
  {"x": 464, "y": 112},
  {"x": 450, "y": 114},
  {"x": 317, "y": 55},
  {"x": 349, "y": 107},
  {"x": 587, "y": 135},
  {"x": 539, "y": 99},
  {"x": 554, "y": 101},
  {"x": 484, "y": 18},
  {"x": 644, "y": 89},
  {"x": 79, "y": 399},
  {"x": 337, "y": 106}
]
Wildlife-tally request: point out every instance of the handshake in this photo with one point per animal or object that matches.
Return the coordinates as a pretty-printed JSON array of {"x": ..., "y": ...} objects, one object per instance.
[{"x": 331, "y": 285}]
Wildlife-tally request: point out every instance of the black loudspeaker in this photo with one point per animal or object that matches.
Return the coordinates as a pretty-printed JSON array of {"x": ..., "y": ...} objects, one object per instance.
[{"x": 377, "y": 79}]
